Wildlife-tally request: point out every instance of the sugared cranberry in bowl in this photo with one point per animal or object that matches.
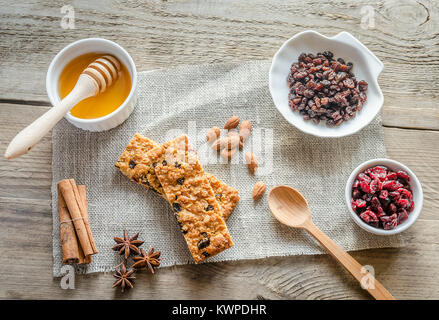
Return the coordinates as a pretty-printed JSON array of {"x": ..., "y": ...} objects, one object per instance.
[{"x": 384, "y": 196}]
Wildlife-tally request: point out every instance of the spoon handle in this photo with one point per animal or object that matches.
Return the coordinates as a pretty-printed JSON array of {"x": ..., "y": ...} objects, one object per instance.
[
  {"x": 366, "y": 279},
  {"x": 32, "y": 134}
]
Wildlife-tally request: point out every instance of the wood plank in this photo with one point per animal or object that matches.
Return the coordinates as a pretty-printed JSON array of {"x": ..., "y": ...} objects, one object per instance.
[
  {"x": 26, "y": 242},
  {"x": 164, "y": 34}
]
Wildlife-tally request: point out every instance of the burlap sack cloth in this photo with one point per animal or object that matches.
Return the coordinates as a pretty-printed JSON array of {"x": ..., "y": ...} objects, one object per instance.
[{"x": 191, "y": 99}]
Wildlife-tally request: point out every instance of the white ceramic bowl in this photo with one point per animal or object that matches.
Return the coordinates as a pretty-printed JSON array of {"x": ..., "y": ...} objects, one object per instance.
[
  {"x": 76, "y": 49},
  {"x": 366, "y": 67},
  {"x": 414, "y": 183}
]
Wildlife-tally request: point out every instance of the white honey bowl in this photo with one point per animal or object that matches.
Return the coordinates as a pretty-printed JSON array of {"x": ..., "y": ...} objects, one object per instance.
[
  {"x": 81, "y": 47},
  {"x": 344, "y": 45}
]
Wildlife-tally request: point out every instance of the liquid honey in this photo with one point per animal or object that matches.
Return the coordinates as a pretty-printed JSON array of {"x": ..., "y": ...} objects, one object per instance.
[{"x": 103, "y": 103}]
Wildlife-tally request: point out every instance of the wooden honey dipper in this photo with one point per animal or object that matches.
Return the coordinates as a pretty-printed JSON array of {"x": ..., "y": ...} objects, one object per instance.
[{"x": 98, "y": 75}]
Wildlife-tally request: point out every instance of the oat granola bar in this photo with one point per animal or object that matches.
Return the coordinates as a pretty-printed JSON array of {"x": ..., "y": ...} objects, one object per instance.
[
  {"x": 192, "y": 199},
  {"x": 136, "y": 163},
  {"x": 226, "y": 196},
  {"x": 131, "y": 156}
]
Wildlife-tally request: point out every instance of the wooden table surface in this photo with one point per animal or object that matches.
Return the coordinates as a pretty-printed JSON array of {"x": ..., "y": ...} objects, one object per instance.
[{"x": 162, "y": 34}]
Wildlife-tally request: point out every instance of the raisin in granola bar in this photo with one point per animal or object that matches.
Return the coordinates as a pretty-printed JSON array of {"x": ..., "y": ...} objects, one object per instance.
[
  {"x": 131, "y": 156},
  {"x": 192, "y": 199}
]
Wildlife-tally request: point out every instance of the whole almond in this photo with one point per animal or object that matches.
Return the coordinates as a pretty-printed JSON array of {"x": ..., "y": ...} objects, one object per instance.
[
  {"x": 252, "y": 161},
  {"x": 220, "y": 144},
  {"x": 232, "y": 123},
  {"x": 228, "y": 154},
  {"x": 245, "y": 129},
  {"x": 232, "y": 142},
  {"x": 258, "y": 190},
  {"x": 213, "y": 134}
]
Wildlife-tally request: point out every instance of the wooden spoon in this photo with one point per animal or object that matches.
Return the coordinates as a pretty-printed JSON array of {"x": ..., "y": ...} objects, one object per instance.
[
  {"x": 98, "y": 75},
  {"x": 290, "y": 208}
]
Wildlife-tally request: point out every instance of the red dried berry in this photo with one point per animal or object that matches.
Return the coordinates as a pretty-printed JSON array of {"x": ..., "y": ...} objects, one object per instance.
[
  {"x": 391, "y": 176},
  {"x": 360, "y": 203},
  {"x": 369, "y": 217},
  {"x": 403, "y": 175},
  {"x": 402, "y": 203},
  {"x": 364, "y": 178},
  {"x": 412, "y": 206},
  {"x": 365, "y": 187},
  {"x": 402, "y": 215},
  {"x": 384, "y": 194},
  {"x": 356, "y": 184},
  {"x": 394, "y": 195},
  {"x": 375, "y": 186},
  {"x": 391, "y": 208},
  {"x": 389, "y": 222}
]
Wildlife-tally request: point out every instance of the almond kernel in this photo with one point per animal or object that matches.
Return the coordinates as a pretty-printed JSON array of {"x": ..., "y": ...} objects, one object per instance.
[
  {"x": 258, "y": 190},
  {"x": 213, "y": 134},
  {"x": 232, "y": 123},
  {"x": 245, "y": 129},
  {"x": 228, "y": 154},
  {"x": 252, "y": 161}
]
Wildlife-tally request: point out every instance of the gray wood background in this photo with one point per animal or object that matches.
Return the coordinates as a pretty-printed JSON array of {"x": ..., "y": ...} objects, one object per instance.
[{"x": 162, "y": 34}]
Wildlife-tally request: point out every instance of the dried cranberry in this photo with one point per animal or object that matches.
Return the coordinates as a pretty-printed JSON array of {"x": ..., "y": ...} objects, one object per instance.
[
  {"x": 389, "y": 222},
  {"x": 365, "y": 178},
  {"x": 360, "y": 203},
  {"x": 356, "y": 184},
  {"x": 391, "y": 176},
  {"x": 375, "y": 186},
  {"x": 412, "y": 206},
  {"x": 384, "y": 194},
  {"x": 369, "y": 217},
  {"x": 402, "y": 203},
  {"x": 403, "y": 175},
  {"x": 365, "y": 187},
  {"x": 402, "y": 215}
]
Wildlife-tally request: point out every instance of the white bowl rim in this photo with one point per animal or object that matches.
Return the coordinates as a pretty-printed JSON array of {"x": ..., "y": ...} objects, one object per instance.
[
  {"x": 124, "y": 103},
  {"x": 375, "y": 81},
  {"x": 413, "y": 216}
]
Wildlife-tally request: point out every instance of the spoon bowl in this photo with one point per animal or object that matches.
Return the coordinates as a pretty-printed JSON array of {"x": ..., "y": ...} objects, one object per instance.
[{"x": 290, "y": 207}]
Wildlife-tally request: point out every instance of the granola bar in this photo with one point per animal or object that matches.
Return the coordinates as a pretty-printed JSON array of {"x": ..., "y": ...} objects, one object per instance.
[
  {"x": 136, "y": 162},
  {"x": 192, "y": 199},
  {"x": 226, "y": 196},
  {"x": 131, "y": 156}
]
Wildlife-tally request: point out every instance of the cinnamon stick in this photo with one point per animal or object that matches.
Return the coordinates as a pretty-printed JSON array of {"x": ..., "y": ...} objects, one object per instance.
[
  {"x": 83, "y": 195},
  {"x": 70, "y": 193},
  {"x": 69, "y": 242}
]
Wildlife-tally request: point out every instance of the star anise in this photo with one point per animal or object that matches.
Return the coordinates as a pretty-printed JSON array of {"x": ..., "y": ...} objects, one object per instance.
[
  {"x": 127, "y": 244},
  {"x": 150, "y": 260},
  {"x": 125, "y": 279}
]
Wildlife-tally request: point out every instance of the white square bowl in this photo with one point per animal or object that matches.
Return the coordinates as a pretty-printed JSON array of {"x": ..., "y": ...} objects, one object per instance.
[{"x": 366, "y": 67}]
